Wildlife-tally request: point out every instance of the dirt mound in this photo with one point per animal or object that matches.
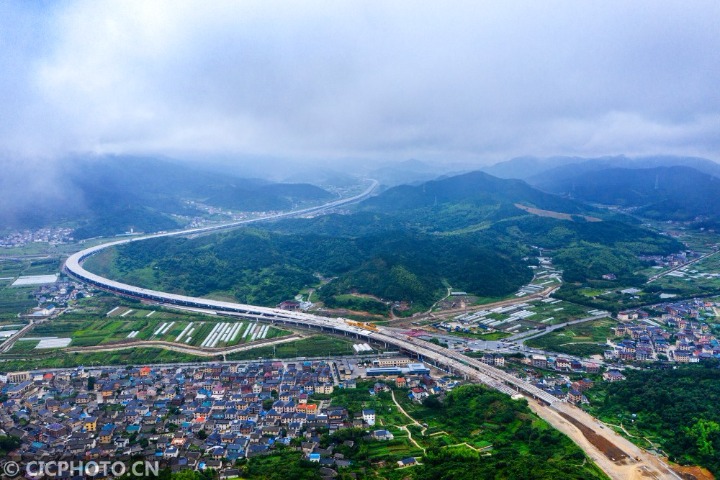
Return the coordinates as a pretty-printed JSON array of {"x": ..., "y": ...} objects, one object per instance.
[
  {"x": 601, "y": 443},
  {"x": 693, "y": 473}
]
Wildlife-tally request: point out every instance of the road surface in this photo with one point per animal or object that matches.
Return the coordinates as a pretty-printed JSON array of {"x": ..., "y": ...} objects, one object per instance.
[
  {"x": 548, "y": 407},
  {"x": 662, "y": 274}
]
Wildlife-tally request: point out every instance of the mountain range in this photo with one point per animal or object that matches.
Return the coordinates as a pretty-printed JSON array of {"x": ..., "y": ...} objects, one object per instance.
[
  {"x": 474, "y": 232},
  {"x": 663, "y": 193},
  {"x": 659, "y": 188},
  {"x": 536, "y": 170}
]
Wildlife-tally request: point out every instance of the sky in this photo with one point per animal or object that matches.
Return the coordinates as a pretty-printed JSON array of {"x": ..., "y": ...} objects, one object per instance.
[{"x": 333, "y": 80}]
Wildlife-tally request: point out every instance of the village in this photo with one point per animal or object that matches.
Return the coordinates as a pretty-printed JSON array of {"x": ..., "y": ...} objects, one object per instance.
[
  {"x": 49, "y": 235},
  {"x": 682, "y": 334},
  {"x": 199, "y": 417}
]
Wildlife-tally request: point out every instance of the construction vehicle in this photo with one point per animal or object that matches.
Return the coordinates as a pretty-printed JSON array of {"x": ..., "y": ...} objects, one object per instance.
[{"x": 364, "y": 325}]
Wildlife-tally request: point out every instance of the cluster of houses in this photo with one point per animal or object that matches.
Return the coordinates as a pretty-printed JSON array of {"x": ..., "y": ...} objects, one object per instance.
[
  {"x": 59, "y": 293},
  {"x": 680, "y": 335},
  {"x": 56, "y": 295},
  {"x": 559, "y": 384},
  {"x": 672, "y": 260},
  {"x": 53, "y": 236},
  {"x": 561, "y": 364},
  {"x": 196, "y": 417},
  {"x": 564, "y": 382}
]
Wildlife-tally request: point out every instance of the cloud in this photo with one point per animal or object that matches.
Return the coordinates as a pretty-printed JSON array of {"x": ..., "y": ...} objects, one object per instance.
[{"x": 467, "y": 80}]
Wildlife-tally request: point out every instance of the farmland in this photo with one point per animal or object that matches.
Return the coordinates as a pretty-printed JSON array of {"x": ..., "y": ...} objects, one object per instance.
[
  {"x": 14, "y": 300},
  {"x": 583, "y": 339},
  {"x": 141, "y": 324},
  {"x": 699, "y": 278},
  {"x": 515, "y": 318},
  {"x": 315, "y": 346},
  {"x": 106, "y": 319},
  {"x": 61, "y": 359}
]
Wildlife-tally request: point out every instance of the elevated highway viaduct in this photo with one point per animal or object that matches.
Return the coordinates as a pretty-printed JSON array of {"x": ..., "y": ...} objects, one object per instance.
[{"x": 547, "y": 406}]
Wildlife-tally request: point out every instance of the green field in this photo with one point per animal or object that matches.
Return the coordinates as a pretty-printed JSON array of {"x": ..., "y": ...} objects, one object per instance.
[
  {"x": 561, "y": 312},
  {"x": 107, "y": 319},
  {"x": 478, "y": 335},
  {"x": 11, "y": 268},
  {"x": 584, "y": 339},
  {"x": 696, "y": 279},
  {"x": 89, "y": 331},
  {"x": 315, "y": 346},
  {"x": 14, "y": 300},
  {"x": 59, "y": 359},
  {"x": 23, "y": 347}
]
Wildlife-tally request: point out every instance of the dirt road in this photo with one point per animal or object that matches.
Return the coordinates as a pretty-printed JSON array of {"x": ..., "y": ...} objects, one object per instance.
[
  {"x": 176, "y": 347},
  {"x": 407, "y": 322},
  {"x": 619, "y": 458}
]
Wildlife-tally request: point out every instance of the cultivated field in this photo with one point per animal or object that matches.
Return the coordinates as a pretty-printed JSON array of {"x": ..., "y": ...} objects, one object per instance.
[
  {"x": 515, "y": 318},
  {"x": 583, "y": 339}
]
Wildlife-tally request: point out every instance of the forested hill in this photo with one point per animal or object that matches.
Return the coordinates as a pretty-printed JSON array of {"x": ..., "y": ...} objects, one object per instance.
[
  {"x": 103, "y": 196},
  {"x": 664, "y": 193},
  {"x": 536, "y": 170},
  {"x": 408, "y": 244},
  {"x": 675, "y": 408},
  {"x": 463, "y": 201},
  {"x": 263, "y": 267}
]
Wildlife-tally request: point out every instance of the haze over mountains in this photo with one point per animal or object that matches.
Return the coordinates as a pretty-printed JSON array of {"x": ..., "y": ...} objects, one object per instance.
[
  {"x": 407, "y": 244},
  {"x": 102, "y": 196},
  {"x": 663, "y": 193},
  {"x": 110, "y": 195},
  {"x": 537, "y": 169},
  {"x": 661, "y": 187}
]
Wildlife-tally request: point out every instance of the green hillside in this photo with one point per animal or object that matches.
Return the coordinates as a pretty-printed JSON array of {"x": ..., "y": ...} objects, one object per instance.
[
  {"x": 663, "y": 193},
  {"x": 405, "y": 245}
]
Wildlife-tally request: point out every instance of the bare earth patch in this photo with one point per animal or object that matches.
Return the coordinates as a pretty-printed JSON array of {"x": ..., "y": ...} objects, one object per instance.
[
  {"x": 549, "y": 213},
  {"x": 693, "y": 472}
]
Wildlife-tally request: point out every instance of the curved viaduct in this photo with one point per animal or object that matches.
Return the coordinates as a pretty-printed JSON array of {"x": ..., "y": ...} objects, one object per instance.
[
  {"x": 439, "y": 356},
  {"x": 633, "y": 460}
]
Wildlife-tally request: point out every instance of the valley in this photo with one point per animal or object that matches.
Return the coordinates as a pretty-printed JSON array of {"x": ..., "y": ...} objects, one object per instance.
[
  {"x": 421, "y": 294},
  {"x": 359, "y": 240}
]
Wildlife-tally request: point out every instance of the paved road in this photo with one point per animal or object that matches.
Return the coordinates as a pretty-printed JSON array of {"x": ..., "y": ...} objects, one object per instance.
[
  {"x": 471, "y": 369},
  {"x": 530, "y": 334},
  {"x": 659, "y": 275},
  {"x": 176, "y": 347}
]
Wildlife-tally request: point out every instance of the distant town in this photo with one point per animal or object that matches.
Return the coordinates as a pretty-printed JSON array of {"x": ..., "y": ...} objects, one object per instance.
[{"x": 49, "y": 235}]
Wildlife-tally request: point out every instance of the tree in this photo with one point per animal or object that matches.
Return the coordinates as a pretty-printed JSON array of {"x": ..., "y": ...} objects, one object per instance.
[
  {"x": 432, "y": 402},
  {"x": 8, "y": 444}
]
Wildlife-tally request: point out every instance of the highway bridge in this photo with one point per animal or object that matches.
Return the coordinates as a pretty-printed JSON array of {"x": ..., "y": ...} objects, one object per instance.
[
  {"x": 636, "y": 460},
  {"x": 439, "y": 356}
]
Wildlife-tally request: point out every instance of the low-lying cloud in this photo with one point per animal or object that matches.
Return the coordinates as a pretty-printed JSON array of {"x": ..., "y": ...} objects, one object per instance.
[{"x": 475, "y": 81}]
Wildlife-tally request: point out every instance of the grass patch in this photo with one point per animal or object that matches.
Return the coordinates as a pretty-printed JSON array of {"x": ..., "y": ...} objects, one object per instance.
[
  {"x": 23, "y": 346},
  {"x": 315, "y": 346},
  {"x": 60, "y": 359},
  {"x": 583, "y": 339}
]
